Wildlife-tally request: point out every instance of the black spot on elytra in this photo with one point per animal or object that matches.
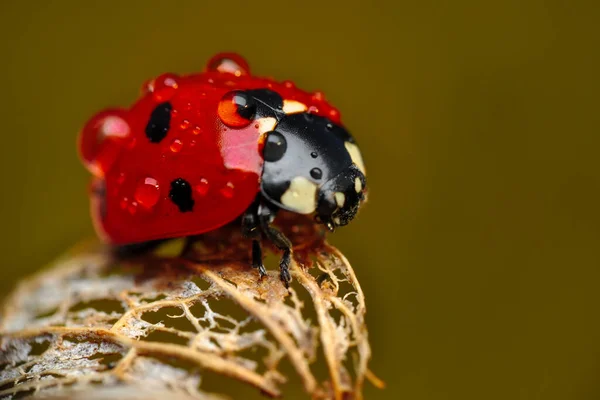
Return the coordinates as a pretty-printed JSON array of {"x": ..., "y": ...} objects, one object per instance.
[
  {"x": 159, "y": 123},
  {"x": 181, "y": 195}
]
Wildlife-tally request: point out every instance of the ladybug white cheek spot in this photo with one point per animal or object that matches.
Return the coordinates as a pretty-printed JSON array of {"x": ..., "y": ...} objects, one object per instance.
[
  {"x": 301, "y": 196},
  {"x": 340, "y": 199},
  {"x": 265, "y": 125},
  {"x": 293, "y": 107},
  {"x": 355, "y": 156},
  {"x": 357, "y": 185}
]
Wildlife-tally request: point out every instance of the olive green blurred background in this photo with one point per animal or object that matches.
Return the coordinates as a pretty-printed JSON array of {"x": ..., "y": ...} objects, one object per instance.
[{"x": 479, "y": 250}]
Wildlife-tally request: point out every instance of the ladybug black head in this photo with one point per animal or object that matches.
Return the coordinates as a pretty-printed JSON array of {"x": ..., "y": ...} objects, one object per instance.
[{"x": 313, "y": 166}]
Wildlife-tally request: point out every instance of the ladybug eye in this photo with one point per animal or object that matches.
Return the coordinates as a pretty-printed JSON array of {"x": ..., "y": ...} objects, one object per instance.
[{"x": 237, "y": 109}]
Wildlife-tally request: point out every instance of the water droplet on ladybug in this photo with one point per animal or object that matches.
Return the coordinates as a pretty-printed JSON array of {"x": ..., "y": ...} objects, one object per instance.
[
  {"x": 184, "y": 124},
  {"x": 147, "y": 192},
  {"x": 202, "y": 187},
  {"x": 165, "y": 87},
  {"x": 148, "y": 87},
  {"x": 312, "y": 110},
  {"x": 196, "y": 130},
  {"x": 123, "y": 203},
  {"x": 316, "y": 173},
  {"x": 289, "y": 84},
  {"x": 314, "y": 154},
  {"x": 102, "y": 139},
  {"x": 227, "y": 190},
  {"x": 334, "y": 114},
  {"x": 132, "y": 207},
  {"x": 318, "y": 96},
  {"x": 237, "y": 109},
  {"x": 275, "y": 147},
  {"x": 228, "y": 63},
  {"x": 176, "y": 145}
]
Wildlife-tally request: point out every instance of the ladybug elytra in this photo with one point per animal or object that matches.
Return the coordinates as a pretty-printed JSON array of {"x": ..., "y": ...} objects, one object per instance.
[{"x": 197, "y": 152}]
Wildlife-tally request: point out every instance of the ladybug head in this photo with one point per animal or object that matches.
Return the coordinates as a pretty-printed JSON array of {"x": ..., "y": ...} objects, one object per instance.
[{"x": 313, "y": 165}]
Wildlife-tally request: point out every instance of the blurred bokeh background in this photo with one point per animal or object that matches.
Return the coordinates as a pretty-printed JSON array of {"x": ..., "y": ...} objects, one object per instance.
[{"x": 480, "y": 249}]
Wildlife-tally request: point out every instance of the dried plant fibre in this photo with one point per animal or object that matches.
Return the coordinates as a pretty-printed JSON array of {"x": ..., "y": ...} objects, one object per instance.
[{"x": 95, "y": 327}]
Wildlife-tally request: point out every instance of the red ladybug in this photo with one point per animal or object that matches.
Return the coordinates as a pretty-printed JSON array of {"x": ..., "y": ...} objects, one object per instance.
[{"x": 196, "y": 152}]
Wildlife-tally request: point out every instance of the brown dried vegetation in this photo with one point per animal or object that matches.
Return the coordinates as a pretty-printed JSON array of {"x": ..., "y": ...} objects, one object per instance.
[{"x": 94, "y": 327}]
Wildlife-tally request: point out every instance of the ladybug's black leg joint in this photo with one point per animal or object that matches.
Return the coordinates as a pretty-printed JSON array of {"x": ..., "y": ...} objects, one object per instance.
[
  {"x": 266, "y": 216},
  {"x": 250, "y": 229}
]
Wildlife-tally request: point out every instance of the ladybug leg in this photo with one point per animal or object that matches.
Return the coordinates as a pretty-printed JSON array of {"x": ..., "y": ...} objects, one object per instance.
[
  {"x": 266, "y": 216},
  {"x": 250, "y": 229},
  {"x": 257, "y": 258}
]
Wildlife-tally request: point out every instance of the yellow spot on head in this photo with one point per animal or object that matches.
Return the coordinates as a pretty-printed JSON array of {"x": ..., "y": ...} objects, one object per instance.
[
  {"x": 340, "y": 199},
  {"x": 301, "y": 196},
  {"x": 355, "y": 156},
  {"x": 293, "y": 107},
  {"x": 357, "y": 184}
]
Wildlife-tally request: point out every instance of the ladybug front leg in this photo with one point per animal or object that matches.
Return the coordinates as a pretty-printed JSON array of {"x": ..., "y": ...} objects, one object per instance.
[
  {"x": 250, "y": 229},
  {"x": 266, "y": 216}
]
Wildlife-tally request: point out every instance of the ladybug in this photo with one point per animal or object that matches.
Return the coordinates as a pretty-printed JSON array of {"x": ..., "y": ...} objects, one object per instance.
[{"x": 196, "y": 152}]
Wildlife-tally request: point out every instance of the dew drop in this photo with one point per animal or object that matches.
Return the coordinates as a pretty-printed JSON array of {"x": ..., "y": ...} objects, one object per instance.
[
  {"x": 148, "y": 87},
  {"x": 227, "y": 190},
  {"x": 147, "y": 192},
  {"x": 202, "y": 187},
  {"x": 184, "y": 124},
  {"x": 316, "y": 173},
  {"x": 101, "y": 140},
  {"x": 314, "y": 154},
  {"x": 318, "y": 96},
  {"x": 165, "y": 87},
  {"x": 228, "y": 63},
  {"x": 334, "y": 113},
  {"x": 312, "y": 110},
  {"x": 289, "y": 84},
  {"x": 176, "y": 145},
  {"x": 196, "y": 130},
  {"x": 132, "y": 208}
]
